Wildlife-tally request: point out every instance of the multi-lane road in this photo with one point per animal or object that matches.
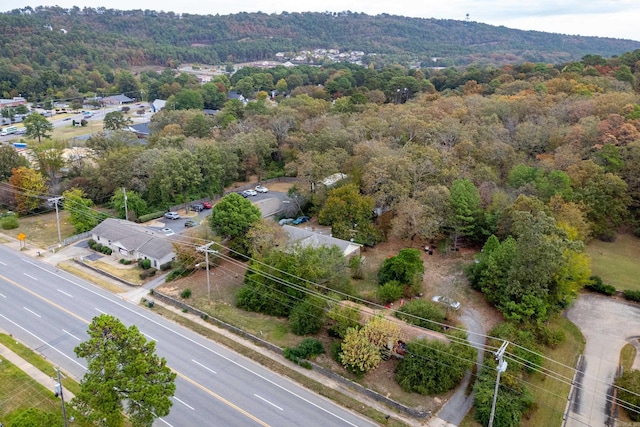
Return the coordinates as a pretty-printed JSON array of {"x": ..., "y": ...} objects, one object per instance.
[{"x": 49, "y": 310}]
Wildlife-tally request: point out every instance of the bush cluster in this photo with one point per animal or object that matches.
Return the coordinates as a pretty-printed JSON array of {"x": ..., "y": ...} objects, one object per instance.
[
  {"x": 144, "y": 264},
  {"x": 186, "y": 293},
  {"x": 98, "y": 247},
  {"x": 308, "y": 348},
  {"x": 390, "y": 291},
  {"x": 149, "y": 217},
  {"x": 9, "y": 222},
  {"x": 596, "y": 285},
  {"x": 166, "y": 266},
  {"x": 177, "y": 273},
  {"x": 632, "y": 295},
  {"x": 125, "y": 261},
  {"x": 422, "y": 313},
  {"x": 148, "y": 273}
]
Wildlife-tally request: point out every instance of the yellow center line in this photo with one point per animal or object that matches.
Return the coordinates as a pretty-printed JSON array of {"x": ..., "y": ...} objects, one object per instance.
[
  {"x": 184, "y": 377},
  {"x": 222, "y": 399}
]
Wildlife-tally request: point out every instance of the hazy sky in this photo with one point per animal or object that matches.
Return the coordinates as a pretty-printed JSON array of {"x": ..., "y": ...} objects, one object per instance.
[{"x": 604, "y": 18}]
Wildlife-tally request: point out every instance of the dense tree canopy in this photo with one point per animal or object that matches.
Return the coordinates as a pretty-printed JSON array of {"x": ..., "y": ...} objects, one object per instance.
[{"x": 124, "y": 375}]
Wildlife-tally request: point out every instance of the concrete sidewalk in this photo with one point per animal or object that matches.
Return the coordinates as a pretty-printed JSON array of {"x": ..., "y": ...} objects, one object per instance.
[{"x": 32, "y": 371}]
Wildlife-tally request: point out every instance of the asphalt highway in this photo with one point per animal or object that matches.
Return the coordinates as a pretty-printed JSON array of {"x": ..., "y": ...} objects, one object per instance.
[{"x": 49, "y": 310}]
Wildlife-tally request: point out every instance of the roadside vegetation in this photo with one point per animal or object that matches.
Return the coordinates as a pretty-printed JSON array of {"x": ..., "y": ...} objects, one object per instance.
[{"x": 512, "y": 172}]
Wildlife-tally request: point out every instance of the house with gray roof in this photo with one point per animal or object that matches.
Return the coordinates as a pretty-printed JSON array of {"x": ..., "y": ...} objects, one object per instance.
[
  {"x": 117, "y": 99},
  {"x": 306, "y": 237},
  {"x": 134, "y": 241}
]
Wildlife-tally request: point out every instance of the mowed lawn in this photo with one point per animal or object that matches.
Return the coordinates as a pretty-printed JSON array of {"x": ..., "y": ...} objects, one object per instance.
[
  {"x": 19, "y": 391},
  {"x": 617, "y": 263}
]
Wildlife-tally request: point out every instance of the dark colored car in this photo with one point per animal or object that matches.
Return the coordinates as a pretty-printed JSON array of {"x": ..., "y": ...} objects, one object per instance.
[
  {"x": 301, "y": 219},
  {"x": 207, "y": 205},
  {"x": 198, "y": 207},
  {"x": 190, "y": 223},
  {"x": 243, "y": 194}
]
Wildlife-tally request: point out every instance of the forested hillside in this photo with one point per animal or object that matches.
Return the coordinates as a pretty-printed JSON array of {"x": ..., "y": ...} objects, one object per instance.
[{"x": 67, "y": 38}]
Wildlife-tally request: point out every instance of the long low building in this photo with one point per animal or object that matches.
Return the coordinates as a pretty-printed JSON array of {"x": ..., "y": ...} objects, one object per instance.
[{"x": 134, "y": 241}]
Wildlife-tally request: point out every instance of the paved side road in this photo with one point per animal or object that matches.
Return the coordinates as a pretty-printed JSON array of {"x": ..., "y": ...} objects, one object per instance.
[{"x": 607, "y": 324}]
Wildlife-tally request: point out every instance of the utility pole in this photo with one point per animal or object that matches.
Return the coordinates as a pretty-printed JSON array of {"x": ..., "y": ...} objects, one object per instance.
[
  {"x": 58, "y": 391},
  {"x": 206, "y": 250},
  {"x": 502, "y": 366},
  {"x": 126, "y": 213},
  {"x": 55, "y": 201}
]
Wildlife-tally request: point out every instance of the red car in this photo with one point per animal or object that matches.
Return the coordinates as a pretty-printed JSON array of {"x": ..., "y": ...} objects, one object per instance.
[{"x": 207, "y": 205}]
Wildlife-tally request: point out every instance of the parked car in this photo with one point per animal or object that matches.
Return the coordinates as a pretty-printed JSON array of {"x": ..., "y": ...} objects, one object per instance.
[
  {"x": 168, "y": 231},
  {"x": 190, "y": 223},
  {"x": 284, "y": 221},
  {"x": 300, "y": 220},
  {"x": 172, "y": 215},
  {"x": 250, "y": 193},
  {"x": 197, "y": 207},
  {"x": 243, "y": 194},
  {"x": 207, "y": 205},
  {"x": 449, "y": 302},
  {"x": 261, "y": 189}
]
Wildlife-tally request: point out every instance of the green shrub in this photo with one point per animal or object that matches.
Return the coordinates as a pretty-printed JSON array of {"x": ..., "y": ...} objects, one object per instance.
[
  {"x": 9, "y": 222},
  {"x": 308, "y": 348},
  {"x": 177, "y": 273},
  {"x": 149, "y": 217},
  {"x": 390, "y": 292},
  {"x": 148, "y": 273},
  {"x": 342, "y": 318},
  {"x": 422, "y": 313},
  {"x": 166, "y": 266},
  {"x": 106, "y": 250},
  {"x": 91, "y": 243},
  {"x": 551, "y": 337},
  {"x": 307, "y": 317},
  {"x": 186, "y": 293},
  {"x": 98, "y": 247},
  {"x": 596, "y": 285},
  {"x": 305, "y": 364},
  {"x": 632, "y": 295},
  {"x": 144, "y": 263},
  {"x": 125, "y": 261},
  {"x": 336, "y": 351}
]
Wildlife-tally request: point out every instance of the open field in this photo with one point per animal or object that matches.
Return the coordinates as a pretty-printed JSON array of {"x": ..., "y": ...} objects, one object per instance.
[
  {"x": 41, "y": 229},
  {"x": 617, "y": 263},
  {"x": 19, "y": 391}
]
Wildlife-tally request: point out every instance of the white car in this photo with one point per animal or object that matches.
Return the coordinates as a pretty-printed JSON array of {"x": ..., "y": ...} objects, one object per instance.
[
  {"x": 168, "y": 231},
  {"x": 250, "y": 192},
  {"x": 172, "y": 215},
  {"x": 261, "y": 189},
  {"x": 449, "y": 302}
]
